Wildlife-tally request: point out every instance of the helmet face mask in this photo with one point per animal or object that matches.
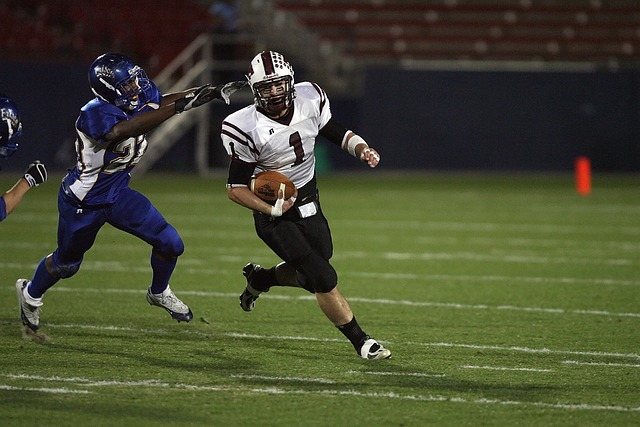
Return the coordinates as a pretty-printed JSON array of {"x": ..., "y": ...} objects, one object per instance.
[
  {"x": 274, "y": 96},
  {"x": 271, "y": 79},
  {"x": 116, "y": 79},
  {"x": 10, "y": 127}
]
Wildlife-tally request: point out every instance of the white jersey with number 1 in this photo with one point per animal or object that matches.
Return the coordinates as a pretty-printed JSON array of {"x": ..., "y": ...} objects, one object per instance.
[{"x": 251, "y": 137}]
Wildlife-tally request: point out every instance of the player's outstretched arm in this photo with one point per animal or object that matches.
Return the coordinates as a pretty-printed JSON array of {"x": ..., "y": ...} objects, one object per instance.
[
  {"x": 140, "y": 123},
  {"x": 206, "y": 93},
  {"x": 35, "y": 175},
  {"x": 174, "y": 103}
]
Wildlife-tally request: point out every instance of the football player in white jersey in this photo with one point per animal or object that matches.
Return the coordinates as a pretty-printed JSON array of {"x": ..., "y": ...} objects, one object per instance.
[
  {"x": 278, "y": 132},
  {"x": 110, "y": 141}
]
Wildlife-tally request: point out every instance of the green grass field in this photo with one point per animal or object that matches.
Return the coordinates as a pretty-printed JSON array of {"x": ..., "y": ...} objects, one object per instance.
[{"x": 505, "y": 299}]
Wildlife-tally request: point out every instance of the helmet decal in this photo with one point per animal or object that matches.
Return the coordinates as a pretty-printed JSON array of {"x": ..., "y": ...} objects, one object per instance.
[
  {"x": 268, "y": 63},
  {"x": 116, "y": 79}
]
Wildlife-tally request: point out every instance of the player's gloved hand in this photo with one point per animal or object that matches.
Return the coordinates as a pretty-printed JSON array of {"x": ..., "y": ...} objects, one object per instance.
[
  {"x": 225, "y": 91},
  {"x": 198, "y": 97},
  {"x": 282, "y": 205},
  {"x": 36, "y": 174}
]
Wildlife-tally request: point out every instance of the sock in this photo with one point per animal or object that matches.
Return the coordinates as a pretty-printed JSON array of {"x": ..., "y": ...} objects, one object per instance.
[
  {"x": 354, "y": 333},
  {"x": 264, "y": 279},
  {"x": 162, "y": 271},
  {"x": 41, "y": 280}
]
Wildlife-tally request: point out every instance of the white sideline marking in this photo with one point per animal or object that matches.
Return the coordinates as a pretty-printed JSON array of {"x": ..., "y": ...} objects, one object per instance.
[
  {"x": 90, "y": 383},
  {"x": 298, "y": 379},
  {"x": 341, "y": 340},
  {"x": 275, "y": 390},
  {"x": 530, "y": 350},
  {"x": 496, "y": 278},
  {"x": 504, "y": 368},
  {"x": 528, "y": 259},
  {"x": 398, "y": 374},
  {"x": 367, "y": 300},
  {"x": 117, "y": 266},
  {"x": 623, "y": 365},
  {"x": 436, "y": 398},
  {"x": 44, "y": 390}
]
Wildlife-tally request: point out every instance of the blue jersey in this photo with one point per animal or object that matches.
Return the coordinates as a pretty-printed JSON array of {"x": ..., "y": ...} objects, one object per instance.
[
  {"x": 3, "y": 209},
  {"x": 103, "y": 169}
]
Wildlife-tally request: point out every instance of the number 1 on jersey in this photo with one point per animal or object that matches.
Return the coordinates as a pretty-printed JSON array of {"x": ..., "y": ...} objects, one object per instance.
[{"x": 296, "y": 142}]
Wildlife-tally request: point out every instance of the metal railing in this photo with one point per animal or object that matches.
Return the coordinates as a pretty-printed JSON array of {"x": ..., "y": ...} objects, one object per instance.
[
  {"x": 263, "y": 27},
  {"x": 192, "y": 67}
]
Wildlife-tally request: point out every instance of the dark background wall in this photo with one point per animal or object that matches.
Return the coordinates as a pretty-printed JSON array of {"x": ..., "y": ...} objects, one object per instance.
[
  {"x": 504, "y": 120},
  {"x": 49, "y": 97},
  {"x": 417, "y": 119}
]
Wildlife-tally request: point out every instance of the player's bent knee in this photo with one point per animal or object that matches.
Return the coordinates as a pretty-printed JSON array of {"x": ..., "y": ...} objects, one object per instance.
[
  {"x": 65, "y": 271},
  {"x": 326, "y": 283},
  {"x": 319, "y": 274},
  {"x": 59, "y": 269},
  {"x": 171, "y": 244}
]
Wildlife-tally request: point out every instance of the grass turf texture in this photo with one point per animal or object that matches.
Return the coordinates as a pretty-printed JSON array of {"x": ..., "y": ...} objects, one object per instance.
[{"x": 505, "y": 299}]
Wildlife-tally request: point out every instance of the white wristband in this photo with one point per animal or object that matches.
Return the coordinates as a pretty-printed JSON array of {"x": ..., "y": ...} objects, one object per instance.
[{"x": 353, "y": 142}]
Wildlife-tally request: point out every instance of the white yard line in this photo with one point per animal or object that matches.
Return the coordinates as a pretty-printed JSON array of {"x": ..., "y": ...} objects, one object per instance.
[
  {"x": 193, "y": 266},
  {"x": 504, "y": 368},
  {"x": 621, "y": 365},
  {"x": 294, "y": 379},
  {"x": 398, "y": 374},
  {"x": 633, "y": 356},
  {"x": 44, "y": 389},
  {"x": 281, "y": 391},
  {"x": 384, "y": 301}
]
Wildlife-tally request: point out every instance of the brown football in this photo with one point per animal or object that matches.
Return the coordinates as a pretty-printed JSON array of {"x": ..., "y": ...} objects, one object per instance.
[{"x": 267, "y": 184}]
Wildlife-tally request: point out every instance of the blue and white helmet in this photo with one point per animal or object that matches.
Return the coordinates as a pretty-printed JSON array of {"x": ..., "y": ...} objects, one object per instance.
[
  {"x": 116, "y": 79},
  {"x": 10, "y": 126}
]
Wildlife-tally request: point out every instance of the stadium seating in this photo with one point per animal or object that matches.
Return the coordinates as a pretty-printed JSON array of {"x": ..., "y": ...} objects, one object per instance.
[
  {"x": 606, "y": 31},
  {"x": 153, "y": 32},
  {"x": 373, "y": 31}
]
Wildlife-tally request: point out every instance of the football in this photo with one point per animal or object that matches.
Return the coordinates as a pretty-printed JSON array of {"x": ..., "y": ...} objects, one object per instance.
[{"x": 267, "y": 184}]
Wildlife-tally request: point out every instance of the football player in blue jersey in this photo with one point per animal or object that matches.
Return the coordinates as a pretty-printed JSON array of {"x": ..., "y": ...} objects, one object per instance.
[
  {"x": 279, "y": 133},
  {"x": 110, "y": 141},
  {"x": 10, "y": 132}
]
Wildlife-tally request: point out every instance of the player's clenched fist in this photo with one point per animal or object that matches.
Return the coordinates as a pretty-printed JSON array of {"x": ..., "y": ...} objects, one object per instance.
[{"x": 36, "y": 174}]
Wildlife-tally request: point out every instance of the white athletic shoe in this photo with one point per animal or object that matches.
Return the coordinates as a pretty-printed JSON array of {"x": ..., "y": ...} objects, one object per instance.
[
  {"x": 29, "y": 306},
  {"x": 170, "y": 302},
  {"x": 372, "y": 350}
]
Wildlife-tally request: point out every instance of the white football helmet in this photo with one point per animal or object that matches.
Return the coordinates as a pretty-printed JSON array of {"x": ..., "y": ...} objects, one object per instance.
[{"x": 269, "y": 68}]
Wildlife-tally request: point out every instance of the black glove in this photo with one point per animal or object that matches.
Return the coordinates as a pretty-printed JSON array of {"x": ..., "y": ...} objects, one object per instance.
[
  {"x": 225, "y": 91},
  {"x": 200, "y": 96},
  {"x": 36, "y": 174}
]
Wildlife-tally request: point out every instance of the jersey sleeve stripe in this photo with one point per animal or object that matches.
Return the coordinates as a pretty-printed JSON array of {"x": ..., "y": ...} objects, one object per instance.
[
  {"x": 232, "y": 132},
  {"x": 237, "y": 129},
  {"x": 323, "y": 96}
]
